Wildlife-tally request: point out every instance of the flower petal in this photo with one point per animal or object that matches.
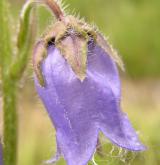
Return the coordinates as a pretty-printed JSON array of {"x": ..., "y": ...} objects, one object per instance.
[
  {"x": 77, "y": 134},
  {"x": 79, "y": 110},
  {"x": 113, "y": 123},
  {"x": 104, "y": 69}
]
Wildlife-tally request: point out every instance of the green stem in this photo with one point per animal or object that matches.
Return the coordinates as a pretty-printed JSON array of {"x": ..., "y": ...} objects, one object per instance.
[
  {"x": 5, "y": 35},
  {"x": 26, "y": 36},
  {"x": 8, "y": 89},
  {"x": 25, "y": 25},
  {"x": 12, "y": 70},
  {"x": 10, "y": 120}
]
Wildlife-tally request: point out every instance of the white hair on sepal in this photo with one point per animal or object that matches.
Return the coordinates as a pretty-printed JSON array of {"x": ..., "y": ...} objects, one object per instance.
[
  {"x": 103, "y": 42},
  {"x": 72, "y": 12}
]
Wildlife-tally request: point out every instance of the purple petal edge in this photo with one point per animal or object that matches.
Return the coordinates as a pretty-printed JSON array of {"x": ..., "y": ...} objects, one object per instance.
[{"x": 80, "y": 110}]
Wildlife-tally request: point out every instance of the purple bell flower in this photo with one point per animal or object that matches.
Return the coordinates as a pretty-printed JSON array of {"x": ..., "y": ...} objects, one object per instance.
[{"x": 77, "y": 79}]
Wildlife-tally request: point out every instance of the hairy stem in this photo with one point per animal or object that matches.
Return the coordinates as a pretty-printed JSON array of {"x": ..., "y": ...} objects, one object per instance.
[
  {"x": 5, "y": 35},
  {"x": 10, "y": 120},
  {"x": 8, "y": 88},
  {"x": 12, "y": 69},
  {"x": 25, "y": 41},
  {"x": 55, "y": 8}
]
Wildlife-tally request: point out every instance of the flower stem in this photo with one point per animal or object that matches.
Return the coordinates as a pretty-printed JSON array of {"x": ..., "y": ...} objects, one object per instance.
[
  {"x": 55, "y": 8},
  {"x": 8, "y": 88},
  {"x": 10, "y": 120},
  {"x": 26, "y": 38},
  {"x": 5, "y": 34},
  {"x": 11, "y": 70}
]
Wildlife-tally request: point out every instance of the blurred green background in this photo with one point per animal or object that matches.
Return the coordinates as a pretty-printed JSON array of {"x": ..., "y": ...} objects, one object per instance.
[{"x": 133, "y": 27}]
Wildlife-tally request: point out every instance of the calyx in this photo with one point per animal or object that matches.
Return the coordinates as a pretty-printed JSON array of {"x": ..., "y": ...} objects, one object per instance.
[{"x": 71, "y": 37}]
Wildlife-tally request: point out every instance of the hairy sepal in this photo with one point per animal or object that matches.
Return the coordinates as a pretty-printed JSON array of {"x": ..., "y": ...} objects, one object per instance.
[
  {"x": 74, "y": 50},
  {"x": 103, "y": 43},
  {"x": 40, "y": 53},
  {"x": 71, "y": 37}
]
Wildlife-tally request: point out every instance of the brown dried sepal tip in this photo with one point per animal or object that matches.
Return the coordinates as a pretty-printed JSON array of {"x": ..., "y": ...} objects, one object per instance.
[{"x": 71, "y": 37}]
